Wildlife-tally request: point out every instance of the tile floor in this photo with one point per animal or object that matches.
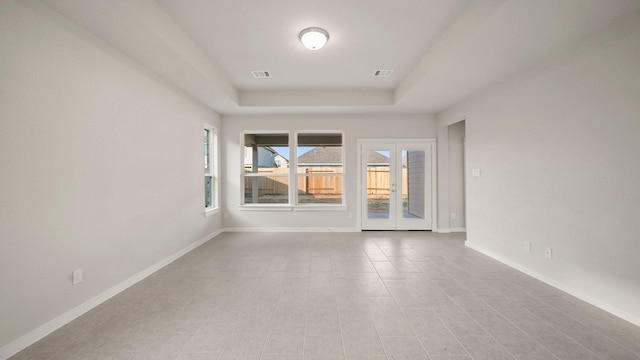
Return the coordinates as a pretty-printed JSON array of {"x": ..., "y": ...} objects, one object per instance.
[{"x": 365, "y": 296}]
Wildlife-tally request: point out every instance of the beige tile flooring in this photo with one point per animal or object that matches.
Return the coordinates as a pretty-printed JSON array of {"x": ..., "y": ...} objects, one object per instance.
[{"x": 370, "y": 295}]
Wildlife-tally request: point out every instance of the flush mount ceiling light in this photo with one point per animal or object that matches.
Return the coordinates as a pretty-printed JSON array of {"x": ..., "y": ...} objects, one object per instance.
[{"x": 314, "y": 38}]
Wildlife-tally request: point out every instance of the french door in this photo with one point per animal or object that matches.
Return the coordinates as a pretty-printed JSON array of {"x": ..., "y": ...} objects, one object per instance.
[{"x": 396, "y": 186}]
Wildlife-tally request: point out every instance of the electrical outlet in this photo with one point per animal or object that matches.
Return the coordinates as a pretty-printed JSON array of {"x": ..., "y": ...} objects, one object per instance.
[
  {"x": 453, "y": 216},
  {"x": 527, "y": 246},
  {"x": 547, "y": 252},
  {"x": 76, "y": 276}
]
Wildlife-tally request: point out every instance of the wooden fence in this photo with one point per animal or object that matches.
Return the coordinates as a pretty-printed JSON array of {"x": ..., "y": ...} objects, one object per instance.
[
  {"x": 377, "y": 180},
  {"x": 312, "y": 185}
]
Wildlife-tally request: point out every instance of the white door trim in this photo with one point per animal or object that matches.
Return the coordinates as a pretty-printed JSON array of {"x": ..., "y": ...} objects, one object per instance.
[{"x": 434, "y": 175}]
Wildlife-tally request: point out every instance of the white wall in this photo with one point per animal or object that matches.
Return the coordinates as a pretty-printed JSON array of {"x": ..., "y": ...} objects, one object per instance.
[
  {"x": 443, "y": 179},
  {"x": 456, "y": 176},
  {"x": 559, "y": 153},
  {"x": 100, "y": 168},
  {"x": 451, "y": 182},
  {"x": 354, "y": 127}
]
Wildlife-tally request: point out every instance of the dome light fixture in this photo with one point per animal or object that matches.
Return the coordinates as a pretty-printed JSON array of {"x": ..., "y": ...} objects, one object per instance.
[{"x": 314, "y": 38}]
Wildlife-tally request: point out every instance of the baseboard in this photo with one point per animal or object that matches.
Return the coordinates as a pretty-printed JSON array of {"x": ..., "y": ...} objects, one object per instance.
[
  {"x": 449, "y": 230},
  {"x": 291, "y": 229},
  {"x": 30, "y": 338},
  {"x": 624, "y": 315}
]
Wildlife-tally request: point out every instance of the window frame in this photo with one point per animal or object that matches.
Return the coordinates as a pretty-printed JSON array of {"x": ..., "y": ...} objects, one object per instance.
[
  {"x": 213, "y": 171},
  {"x": 320, "y": 206},
  {"x": 275, "y": 206},
  {"x": 292, "y": 175}
]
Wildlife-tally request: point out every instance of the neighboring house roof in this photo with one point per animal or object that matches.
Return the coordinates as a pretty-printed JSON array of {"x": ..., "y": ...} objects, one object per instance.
[
  {"x": 333, "y": 155},
  {"x": 322, "y": 155},
  {"x": 374, "y": 157}
]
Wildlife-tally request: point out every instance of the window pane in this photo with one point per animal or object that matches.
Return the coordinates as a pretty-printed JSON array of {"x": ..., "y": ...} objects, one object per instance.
[
  {"x": 207, "y": 148},
  {"x": 266, "y": 190},
  {"x": 321, "y": 151},
  {"x": 320, "y": 158},
  {"x": 208, "y": 193},
  {"x": 266, "y": 152},
  {"x": 320, "y": 189}
]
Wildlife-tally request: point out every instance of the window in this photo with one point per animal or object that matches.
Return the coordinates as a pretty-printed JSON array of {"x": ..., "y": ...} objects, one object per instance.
[
  {"x": 210, "y": 170},
  {"x": 319, "y": 168},
  {"x": 307, "y": 174},
  {"x": 266, "y": 168}
]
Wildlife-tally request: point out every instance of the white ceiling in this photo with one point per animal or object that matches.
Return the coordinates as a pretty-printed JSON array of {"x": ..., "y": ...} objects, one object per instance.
[
  {"x": 441, "y": 51},
  {"x": 368, "y": 35}
]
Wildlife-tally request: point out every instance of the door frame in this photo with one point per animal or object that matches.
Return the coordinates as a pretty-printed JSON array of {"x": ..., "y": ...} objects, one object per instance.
[{"x": 434, "y": 175}]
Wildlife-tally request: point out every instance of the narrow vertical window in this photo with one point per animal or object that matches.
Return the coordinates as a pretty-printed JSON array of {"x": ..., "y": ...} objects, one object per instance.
[{"x": 210, "y": 169}]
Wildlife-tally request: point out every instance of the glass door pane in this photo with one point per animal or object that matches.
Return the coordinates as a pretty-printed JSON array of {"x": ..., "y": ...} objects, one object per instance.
[
  {"x": 378, "y": 184},
  {"x": 413, "y": 183},
  {"x": 415, "y": 186}
]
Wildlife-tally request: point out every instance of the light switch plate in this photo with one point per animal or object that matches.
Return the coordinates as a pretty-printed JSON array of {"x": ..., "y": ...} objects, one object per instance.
[{"x": 76, "y": 276}]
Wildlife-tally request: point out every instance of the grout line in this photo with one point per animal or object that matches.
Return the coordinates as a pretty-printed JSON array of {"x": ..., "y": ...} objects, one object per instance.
[
  {"x": 272, "y": 315},
  {"x": 585, "y": 325},
  {"x": 483, "y": 328},
  {"x": 445, "y": 325}
]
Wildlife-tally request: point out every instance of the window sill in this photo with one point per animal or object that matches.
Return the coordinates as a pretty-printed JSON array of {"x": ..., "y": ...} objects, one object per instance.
[
  {"x": 212, "y": 211},
  {"x": 265, "y": 207},
  {"x": 303, "y": 208},
  {"x": 315, "y": 207}
]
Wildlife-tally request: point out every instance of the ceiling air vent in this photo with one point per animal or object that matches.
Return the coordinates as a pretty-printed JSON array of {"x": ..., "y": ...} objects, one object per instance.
[
  {"x": 264, "y": 74},
  {"x": 382, "y": 73}
]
